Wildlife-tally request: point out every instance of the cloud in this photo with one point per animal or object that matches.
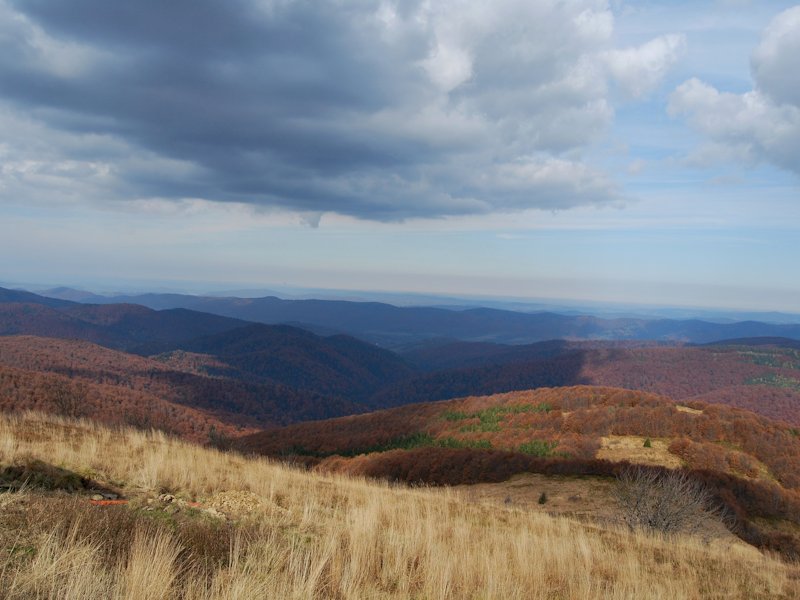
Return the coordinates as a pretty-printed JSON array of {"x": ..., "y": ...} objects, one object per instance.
[
  {"x": 762, "y": 124},
  {"x": 776, "y": 61},
  {"x": 379, "y": 111},
  {"x": 639, "y": 70}
]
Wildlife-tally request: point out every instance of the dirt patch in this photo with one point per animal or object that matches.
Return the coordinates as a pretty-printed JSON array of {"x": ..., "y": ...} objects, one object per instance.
[
  {"x": 686, "y": 409},
  {"x": 239, "y": 503},
  {"x": 632, "y": 448},
  {"x": 589, "y": 497}
]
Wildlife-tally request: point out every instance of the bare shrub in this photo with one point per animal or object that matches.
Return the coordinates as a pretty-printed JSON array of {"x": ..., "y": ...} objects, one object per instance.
[
  {"x": 662, "y": 500},
  {"x": 68, "y": 400}
]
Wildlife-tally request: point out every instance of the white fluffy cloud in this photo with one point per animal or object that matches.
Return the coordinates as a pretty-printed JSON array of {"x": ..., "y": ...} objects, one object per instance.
[
  {"x": 762, "y": 124},
  {"x": 639, "y": 70}
]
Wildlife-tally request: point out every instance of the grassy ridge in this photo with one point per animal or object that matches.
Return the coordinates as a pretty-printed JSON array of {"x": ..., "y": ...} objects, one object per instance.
[{"x": 305, "y": 535}]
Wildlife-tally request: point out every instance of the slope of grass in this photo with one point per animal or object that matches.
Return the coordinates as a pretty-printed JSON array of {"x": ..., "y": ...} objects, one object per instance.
[{"x": 308, "y": 535}]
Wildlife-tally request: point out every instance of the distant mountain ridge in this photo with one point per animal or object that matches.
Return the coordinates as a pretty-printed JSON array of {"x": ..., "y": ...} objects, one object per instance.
[
  {"x": 128, "y": 327},
  {"x": 245, "y": 373},
  {"x": 606, "y": 310},
  {"x": 352, "y": 375},
  {"x": 337, "y": 366},
  {"x": 23, "y": 297},
  {"x": 401, "y": 327}
]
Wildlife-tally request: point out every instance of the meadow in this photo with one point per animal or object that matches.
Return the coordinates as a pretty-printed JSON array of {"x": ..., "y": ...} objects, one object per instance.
[{"x": 201, "y": 523}]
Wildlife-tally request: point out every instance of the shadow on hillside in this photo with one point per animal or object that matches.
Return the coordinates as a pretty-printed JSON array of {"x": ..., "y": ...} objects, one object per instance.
[
  {"x": 40, "y": 475},
  {"x": 556, "y": 370}
]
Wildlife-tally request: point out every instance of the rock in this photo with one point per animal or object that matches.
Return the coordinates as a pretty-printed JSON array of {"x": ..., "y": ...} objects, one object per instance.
[
  {"x": 166, "y": 498},
  {"x": 98, "y": 497}
]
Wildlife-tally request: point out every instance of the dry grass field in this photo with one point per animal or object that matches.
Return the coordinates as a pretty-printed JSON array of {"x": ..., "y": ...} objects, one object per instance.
[
  {"x": 204, "y": 524},
  {"x": 632, "y": 448}
]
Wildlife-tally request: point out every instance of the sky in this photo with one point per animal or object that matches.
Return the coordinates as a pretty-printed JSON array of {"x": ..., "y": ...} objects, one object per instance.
[{"x": 635, "y": 152}]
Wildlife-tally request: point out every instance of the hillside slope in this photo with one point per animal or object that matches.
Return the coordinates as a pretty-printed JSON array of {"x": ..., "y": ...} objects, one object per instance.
[
  {"x": 764, "y": 379},
  {"x": 234, "y": 527},
  {"x": 113, "y": 405},
  {"x": 753, "y": 463},
  {"x": 8, "y": 296},
  {"x": 121, "y": 326},
  {"x": 338, "y": 366},
  {"x": 170, "y": 392}
]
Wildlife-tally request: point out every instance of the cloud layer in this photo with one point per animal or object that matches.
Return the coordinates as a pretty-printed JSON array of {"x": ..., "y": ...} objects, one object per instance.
[
  {"x": 389, "y": 111},
  {"x": 762, "y": 124}
]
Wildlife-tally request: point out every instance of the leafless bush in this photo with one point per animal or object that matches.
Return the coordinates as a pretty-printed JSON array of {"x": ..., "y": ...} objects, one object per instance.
[
  {"x": 663, "y": 501},
  {"x": 68, "y": 400}
]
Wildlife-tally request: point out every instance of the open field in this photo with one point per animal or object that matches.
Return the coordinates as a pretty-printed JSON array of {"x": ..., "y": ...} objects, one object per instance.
[
  {"x": 589, "y": 500},
  {"x": 281, "y": 533},
  {"x": 631, "y": 448}
]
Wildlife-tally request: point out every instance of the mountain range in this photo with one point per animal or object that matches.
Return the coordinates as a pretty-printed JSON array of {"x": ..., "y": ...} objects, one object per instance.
[
  {"x": 403, "y": 327},
  {"x": 284, "y": 373}
]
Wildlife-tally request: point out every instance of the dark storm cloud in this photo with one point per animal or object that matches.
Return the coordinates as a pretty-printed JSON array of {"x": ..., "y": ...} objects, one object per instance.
[{"x": 377, "y": 112}]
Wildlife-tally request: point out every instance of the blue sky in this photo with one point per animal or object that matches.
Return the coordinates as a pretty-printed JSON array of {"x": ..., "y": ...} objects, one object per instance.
[{"x": 637, "y": 152}]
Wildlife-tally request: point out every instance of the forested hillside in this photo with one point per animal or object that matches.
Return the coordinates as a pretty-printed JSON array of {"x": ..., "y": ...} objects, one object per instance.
[
  {"x": 181, "y": 393},
  {"x": 261, "y": 375},
  {"x": 762, "y": 378},
  {"x": 752, "y": 463},
  {"x": 336, "y": 366}
]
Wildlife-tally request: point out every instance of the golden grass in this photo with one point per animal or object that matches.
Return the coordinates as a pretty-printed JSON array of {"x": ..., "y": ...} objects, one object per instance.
[
  {"x": 319, "y": 536},
  {"x": 631, "y": 448}
]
